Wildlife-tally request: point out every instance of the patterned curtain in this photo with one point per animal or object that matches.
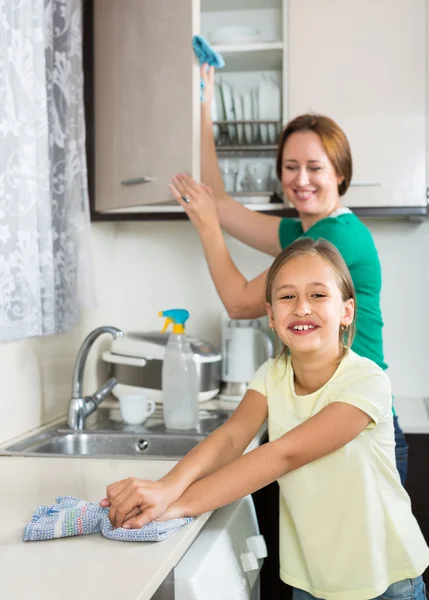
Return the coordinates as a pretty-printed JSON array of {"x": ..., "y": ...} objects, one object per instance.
[{"x": 45, "y": 259}]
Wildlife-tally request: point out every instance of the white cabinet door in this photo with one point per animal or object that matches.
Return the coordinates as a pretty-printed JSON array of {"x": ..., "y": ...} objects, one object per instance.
[
  {"x": 363, "y": 63},
  {"x": 147, "y": 104}
]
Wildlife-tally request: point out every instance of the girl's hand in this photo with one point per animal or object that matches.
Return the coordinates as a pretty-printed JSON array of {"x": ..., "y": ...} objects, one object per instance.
[
  {"x": 198, "y": 201},
  {"x": 136, "y": 519},
  {"x": 207, "y": 75},
  {"x": 151, "y": 498},
  {"x": 174, "y": 511}
]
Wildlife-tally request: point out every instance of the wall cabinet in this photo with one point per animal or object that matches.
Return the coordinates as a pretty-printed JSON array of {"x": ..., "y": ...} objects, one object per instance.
[
  {"x": 364, "y": 64},
  {"x": 417, "y": 484},
  {"x": 361, "y": 63},
  {"x": 146, "y": 104}
]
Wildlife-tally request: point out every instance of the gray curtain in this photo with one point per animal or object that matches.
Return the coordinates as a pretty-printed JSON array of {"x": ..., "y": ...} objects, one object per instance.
[{"x": 45, "y": 258}]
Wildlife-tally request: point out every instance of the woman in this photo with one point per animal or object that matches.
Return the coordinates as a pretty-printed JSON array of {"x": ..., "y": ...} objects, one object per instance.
[
  {"x": 346, "y": 527},
  {"x": 314, "y": 165}
]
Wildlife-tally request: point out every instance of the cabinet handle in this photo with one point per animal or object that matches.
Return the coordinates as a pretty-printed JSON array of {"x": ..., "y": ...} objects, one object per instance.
[{"x": 138, "y": 180}]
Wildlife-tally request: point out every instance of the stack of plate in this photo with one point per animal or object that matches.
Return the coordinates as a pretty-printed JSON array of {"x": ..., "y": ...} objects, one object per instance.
[{"x": 261, "y": 102}]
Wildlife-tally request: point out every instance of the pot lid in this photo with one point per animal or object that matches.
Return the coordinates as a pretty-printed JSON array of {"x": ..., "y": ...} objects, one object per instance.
[{"x": 151, "y": 345}]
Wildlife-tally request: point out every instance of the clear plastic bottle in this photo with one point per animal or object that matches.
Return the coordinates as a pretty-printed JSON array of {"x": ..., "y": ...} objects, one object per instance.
[{"x": 179, "y": 375}]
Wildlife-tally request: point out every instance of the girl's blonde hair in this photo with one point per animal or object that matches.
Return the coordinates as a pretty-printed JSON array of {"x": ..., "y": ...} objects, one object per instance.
[{"x": 306, "y": 246}]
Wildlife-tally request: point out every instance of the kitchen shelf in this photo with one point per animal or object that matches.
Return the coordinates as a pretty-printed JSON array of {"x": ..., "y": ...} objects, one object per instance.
[
  {"x": 171, "y": 212},
  {"x": 226, "y": 5},
  {"x": 255, "y": 56},
  {"x": 241, "y": 48},
  {"x": 225, "y": 144},
  {"x": 243, "y": 149}
]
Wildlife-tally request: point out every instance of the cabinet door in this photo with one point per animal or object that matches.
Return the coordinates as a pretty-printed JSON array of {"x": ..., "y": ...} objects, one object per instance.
[
  {"x": 362, "y": 63},
  {"x": 417, "y": 483},
  {"x": 147, "y": 104}
]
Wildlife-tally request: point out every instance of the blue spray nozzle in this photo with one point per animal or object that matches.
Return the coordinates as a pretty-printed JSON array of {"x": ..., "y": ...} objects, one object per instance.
[{"x": 176, "y": 316}]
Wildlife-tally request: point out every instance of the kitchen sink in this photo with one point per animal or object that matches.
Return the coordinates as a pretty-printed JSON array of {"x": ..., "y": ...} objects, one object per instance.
[
  {"x": 109, "y": 445},
  {"x": 109, "y": 437}
]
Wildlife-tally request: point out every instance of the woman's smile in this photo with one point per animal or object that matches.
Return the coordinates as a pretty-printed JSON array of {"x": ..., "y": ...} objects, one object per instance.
[{"x": 304, "y": 195}]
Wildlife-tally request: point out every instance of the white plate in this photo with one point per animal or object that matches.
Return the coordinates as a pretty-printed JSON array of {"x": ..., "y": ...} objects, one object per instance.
[
  {"x": 264, "y": 104},
  {"x": 228, "y": 104},
  {"x": 251, "y": 39},
  {"x": 234, "y": 34},
  {"x": 254, "y": 95},
  {"x": 274, "y": 108},
  {"x": 238, "y": 109},
  {"x": 247, "y": 114},
  {"x": 219, "y": 102}
]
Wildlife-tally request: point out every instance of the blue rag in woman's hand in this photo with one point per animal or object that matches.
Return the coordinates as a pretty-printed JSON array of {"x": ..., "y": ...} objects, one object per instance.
[{"x": 205, "y": 53}]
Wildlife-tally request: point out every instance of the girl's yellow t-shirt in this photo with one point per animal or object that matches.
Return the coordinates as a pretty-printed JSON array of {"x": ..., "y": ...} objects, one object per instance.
[{"x": 346, "y": 527}]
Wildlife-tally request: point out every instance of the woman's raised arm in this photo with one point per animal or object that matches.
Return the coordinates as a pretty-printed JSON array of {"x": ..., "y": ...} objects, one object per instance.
[
  {"x": 242, "y": 299},
  {"x": 250, "y": 227}
]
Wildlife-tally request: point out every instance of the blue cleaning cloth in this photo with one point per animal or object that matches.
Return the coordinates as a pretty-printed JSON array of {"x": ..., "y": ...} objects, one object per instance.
[
  {"x": 73, "y": 516},
  {"x": 205, "y": 54}
]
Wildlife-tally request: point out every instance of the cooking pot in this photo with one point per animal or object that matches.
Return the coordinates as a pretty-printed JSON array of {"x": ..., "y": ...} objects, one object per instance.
[{"x": 136, "y": 362}]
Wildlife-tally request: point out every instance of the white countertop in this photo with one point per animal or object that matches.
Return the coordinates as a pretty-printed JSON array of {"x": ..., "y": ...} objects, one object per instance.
[
  {"x": 86, "y": 567},
  {"x": 413, "y": 414}
]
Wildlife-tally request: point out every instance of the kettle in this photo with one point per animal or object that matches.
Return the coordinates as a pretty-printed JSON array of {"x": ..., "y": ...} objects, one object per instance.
[{"x": 245, "y": 347}]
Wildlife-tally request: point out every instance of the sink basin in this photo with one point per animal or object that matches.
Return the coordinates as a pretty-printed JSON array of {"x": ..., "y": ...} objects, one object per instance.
[
  {"x": 108, "y": 445},
  {"x": 109, "y": 437}
]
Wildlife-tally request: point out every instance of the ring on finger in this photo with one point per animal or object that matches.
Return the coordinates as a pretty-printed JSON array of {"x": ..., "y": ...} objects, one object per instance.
[{"x": 186, "y": 199}]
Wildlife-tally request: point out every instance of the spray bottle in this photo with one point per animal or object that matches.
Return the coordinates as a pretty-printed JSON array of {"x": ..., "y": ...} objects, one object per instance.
[{"x": 179, "y": 375}]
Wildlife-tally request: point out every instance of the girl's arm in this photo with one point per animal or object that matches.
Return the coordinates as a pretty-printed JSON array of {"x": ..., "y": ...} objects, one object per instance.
[
  {"x": 242, "y": 299},
  {"x": 250, "y": 227},
  {"x": 224, "y": 445},
  {"x": 329, "y": 430}
]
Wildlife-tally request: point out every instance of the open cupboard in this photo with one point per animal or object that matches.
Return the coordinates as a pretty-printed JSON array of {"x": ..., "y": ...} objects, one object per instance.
[{"x": 362, "y": 64}]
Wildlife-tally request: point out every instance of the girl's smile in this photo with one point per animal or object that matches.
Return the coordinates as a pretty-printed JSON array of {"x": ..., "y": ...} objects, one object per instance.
[{"x": 303, "y": 327}]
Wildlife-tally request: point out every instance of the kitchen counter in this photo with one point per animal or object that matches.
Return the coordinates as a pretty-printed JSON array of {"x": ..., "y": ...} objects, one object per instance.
[
  {"x": 79, "y": 568},
  {"x": 413, "y": 414},
  {"x": 84, "y": 567}
]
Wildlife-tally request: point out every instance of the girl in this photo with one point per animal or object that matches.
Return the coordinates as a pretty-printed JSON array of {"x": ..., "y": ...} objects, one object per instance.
[{"x": 346, "y": 527}]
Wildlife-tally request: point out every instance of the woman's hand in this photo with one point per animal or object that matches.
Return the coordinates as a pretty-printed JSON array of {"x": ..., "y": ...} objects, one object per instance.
[
  {"x": 130, "y": 496},
  {"x": 207, "y": 76},
  {"x": 198, "y": 201}
]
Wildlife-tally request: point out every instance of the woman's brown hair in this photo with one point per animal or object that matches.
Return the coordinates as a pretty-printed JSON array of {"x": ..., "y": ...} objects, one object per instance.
[
  {"x": 306, "y": 246},
  {"x": 334, "y": 142}
]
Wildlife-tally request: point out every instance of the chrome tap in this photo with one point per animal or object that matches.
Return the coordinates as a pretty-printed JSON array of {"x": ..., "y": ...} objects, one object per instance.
[{"x": 81, "y": 406}]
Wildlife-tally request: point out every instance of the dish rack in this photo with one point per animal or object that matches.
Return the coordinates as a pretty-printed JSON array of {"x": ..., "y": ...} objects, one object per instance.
[{"x": 247, "y": 136}]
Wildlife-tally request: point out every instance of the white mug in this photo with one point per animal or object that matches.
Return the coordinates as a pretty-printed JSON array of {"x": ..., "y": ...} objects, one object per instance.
[{"x": 136, "y": 409}]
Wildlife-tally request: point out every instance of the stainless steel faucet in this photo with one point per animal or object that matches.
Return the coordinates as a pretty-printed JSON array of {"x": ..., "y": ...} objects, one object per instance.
[{"x": 81, "y": 406}]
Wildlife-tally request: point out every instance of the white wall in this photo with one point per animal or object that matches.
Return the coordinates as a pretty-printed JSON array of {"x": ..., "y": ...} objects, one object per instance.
[
  {"x": 161, "y": 265},
  {"x": 403, "y": 248},
  {"x": 145, "y": 267}
]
